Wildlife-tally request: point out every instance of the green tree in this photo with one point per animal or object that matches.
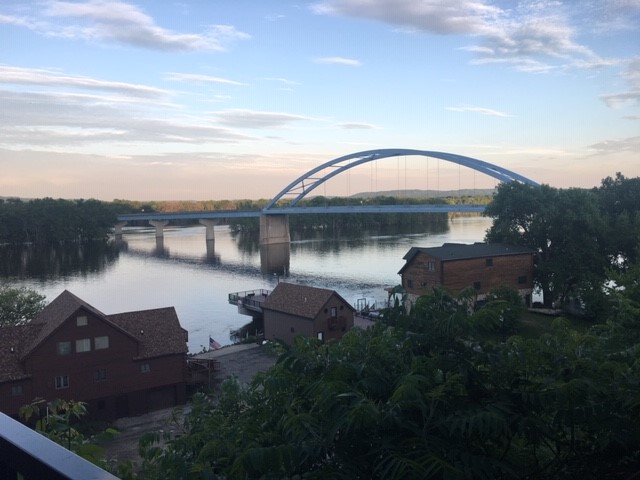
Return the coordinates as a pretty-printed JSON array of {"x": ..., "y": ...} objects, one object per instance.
[
  {"x": 564, "y": 227},
  {"x": 19, "y": 305}
]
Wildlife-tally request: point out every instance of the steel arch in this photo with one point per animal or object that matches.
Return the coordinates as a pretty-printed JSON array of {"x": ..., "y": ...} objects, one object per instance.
[{"x": 299, "y": 188}]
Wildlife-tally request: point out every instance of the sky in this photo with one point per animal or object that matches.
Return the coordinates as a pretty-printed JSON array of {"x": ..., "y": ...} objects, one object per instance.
[{"x": 235, "y": 99}]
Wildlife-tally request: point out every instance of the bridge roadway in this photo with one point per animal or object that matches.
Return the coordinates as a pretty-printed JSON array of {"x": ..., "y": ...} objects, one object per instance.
[
  {"x": 274, "y": 222},
  {"x": 224, "y": 214}
]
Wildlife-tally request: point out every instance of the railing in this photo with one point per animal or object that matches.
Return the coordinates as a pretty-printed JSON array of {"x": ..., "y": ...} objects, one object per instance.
[
  {"x": 247, "y": 298},
  {"x": 26, "y": 454}
]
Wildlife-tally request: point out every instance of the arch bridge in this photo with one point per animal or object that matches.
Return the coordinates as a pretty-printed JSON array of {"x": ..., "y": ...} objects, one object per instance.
[{"x": 274, "y": 223}]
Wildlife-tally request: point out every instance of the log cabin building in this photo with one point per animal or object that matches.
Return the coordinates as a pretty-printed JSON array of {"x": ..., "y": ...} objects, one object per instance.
[
  {"x": 291, "y": 310},
  {"x": 120, "y": 365},
  {"x": 456, "y": 266}
]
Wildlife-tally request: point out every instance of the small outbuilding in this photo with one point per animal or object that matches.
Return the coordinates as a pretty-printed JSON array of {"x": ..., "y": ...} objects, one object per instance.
[
  {"x": 291, "y": 310},
  {"x": 456, "y": 266}
]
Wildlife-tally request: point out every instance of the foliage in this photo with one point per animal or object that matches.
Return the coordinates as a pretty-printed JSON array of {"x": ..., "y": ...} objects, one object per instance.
[
  {"x": 51, "y": 221},
  {"x": 425, "y": 398},
  {"x": 19, "y": 305},
  {"x": 564, "y": 227},
  {"x": 500, "y": 312},
  {"x": 58, "y": 419}
]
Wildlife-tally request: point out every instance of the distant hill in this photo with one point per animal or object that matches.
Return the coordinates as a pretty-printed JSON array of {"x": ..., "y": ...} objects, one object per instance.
[{"x": 469, "y": 192}]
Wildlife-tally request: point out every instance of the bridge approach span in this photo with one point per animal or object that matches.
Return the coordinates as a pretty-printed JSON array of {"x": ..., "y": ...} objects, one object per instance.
[{"x": 306, "y": 183}]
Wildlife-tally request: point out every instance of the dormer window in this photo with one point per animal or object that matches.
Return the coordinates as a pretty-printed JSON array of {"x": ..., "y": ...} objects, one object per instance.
[{"x": 81, "y": 321}]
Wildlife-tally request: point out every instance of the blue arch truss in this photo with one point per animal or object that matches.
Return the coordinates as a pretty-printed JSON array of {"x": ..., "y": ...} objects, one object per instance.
[{"x": 308, "y": 182}]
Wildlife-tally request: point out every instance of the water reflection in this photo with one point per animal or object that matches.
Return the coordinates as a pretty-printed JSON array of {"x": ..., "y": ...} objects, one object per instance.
[{"x": 45, "y": 262}]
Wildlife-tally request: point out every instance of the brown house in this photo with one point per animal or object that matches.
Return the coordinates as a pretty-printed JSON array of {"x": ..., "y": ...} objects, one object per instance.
[
  {"x": 291, "y": 310},
  {"x": 121, "y": 365},
  {"x": 481, "y": 266}
]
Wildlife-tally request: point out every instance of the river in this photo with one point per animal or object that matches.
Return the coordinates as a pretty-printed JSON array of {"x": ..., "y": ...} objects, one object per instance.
[{"x": 196, "y": 280}]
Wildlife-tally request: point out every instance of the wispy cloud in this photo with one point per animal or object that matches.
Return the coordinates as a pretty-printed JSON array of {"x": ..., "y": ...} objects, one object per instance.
[
  {"x": 43, "y": 77},
  {"x": 350, "y": 62},
  {"x": 632, "y": 76},
  {"x": 630, "y": 144},
  {"x": 357, "y": 126},
  {"x": 482, "y": 111},
  {"x": 284, "y": 81},
  {"x": 120, "y": 22},
  {"x": 255, "y": 119},
  {"x": 200, "y": 79},
  {"x": 532, "y": 37}
]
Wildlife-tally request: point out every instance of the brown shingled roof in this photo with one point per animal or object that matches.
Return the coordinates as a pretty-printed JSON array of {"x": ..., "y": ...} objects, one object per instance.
[
  {"x": 55, "y": 314},
  {"x": 158, "y": 331},
  {"x": 298, "y": 300},
  {"x": 14, "y": 341}
]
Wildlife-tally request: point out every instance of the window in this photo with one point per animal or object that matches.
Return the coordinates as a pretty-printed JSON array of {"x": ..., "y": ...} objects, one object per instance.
[
  {"x": 62, "y": 381},
  {"x": 16, "y": 390},
  {"x": 321, "y": 336},
  {"x": 100, "y": 375},
  {"x": 81, "y": 321},
  {"x": 334, "y": 312},
  {"x": 477, "y": 285},
  {"x": 63, "y": 348},
  {"x": 489, "y": 262},
  {"x": 101, "y": 342},
  {"x": 522, "y": 279},
  {"x": 145, "y": 368},
  {"x": 83, "y": 345},
  {"x": 409, "y": 283},
  {"x": 431, "y": 265}
]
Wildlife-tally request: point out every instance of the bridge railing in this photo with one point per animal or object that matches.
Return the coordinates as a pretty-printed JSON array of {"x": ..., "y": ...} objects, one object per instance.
[{"x": 28, "y": 455}]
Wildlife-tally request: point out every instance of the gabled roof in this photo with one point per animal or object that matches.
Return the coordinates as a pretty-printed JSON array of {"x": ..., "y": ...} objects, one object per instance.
[
  {"x": 462, "y": 251},
  {"x": 299, "y": 300},
  {"x": 158, "y": 331},
  {"x": 56, "y": 313}
]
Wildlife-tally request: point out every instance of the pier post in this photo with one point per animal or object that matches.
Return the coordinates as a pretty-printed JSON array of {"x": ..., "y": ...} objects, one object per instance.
[
  {"x": 118, "y": 229},
  {"x": 209, "y": 223},
  {"x": 274, "y": 228},
  {"x": 159, "y": 224}
]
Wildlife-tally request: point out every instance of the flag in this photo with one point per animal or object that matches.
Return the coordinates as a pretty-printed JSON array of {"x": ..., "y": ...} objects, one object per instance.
[{"x": 213, "y": 345}]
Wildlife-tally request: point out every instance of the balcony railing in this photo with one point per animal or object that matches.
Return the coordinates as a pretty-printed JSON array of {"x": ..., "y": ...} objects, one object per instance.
[{"x": 26, "y": 454}]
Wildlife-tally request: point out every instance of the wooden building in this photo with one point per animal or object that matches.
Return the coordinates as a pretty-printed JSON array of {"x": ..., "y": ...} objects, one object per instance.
[
  {"x": 481, "y": 266},
  {"x": 291, "y": 310},
  {"x": 123, "y": 364}
]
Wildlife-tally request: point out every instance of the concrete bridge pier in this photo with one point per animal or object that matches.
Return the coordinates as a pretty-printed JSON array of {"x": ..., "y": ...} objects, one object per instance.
[
  {"x": 118, "y": 229},
  {"x": 159, "y": 224},
  {"x": 274, "y": 229},
  {"x": 209, "y": 224}
]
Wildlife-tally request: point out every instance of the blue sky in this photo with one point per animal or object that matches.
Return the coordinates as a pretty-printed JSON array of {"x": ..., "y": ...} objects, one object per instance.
[{"x": 235, "y": 99}]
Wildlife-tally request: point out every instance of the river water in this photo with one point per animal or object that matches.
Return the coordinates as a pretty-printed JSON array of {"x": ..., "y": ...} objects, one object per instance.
[{"x": 196, "y": 278}]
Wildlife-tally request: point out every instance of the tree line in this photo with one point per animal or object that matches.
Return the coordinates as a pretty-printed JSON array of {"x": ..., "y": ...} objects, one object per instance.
[{"x": 49, "y": 220}]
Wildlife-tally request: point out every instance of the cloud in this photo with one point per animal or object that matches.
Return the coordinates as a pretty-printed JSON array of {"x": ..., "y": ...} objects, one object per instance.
[
  {"x": 253, "y": 119},
  {"x": 632, "y": 95},
  {"x": 198, "y": 78},
  {"x": 43, "y": 77},
  {"x": 532, "y": 37},
  {"x": 483, "y": 111},
  {"x": 119, "y": 22},
  {"x": 629, "y": 144},
  {"x": 48, "y": 120},
  {"x": 284, "y": 81},
  {"x": 433, "y": 16},
  {"x": 357, "y": 126},
  {"x": 350, "y": 62}
]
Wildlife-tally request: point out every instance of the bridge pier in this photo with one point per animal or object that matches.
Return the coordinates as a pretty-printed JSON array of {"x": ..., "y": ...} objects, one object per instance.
[
  {"x": 274, "y": 229},
  {"x": 209, "y": 224},
  {"x": 118, "y": 229},
  {"x": 159, "y": 224}
]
